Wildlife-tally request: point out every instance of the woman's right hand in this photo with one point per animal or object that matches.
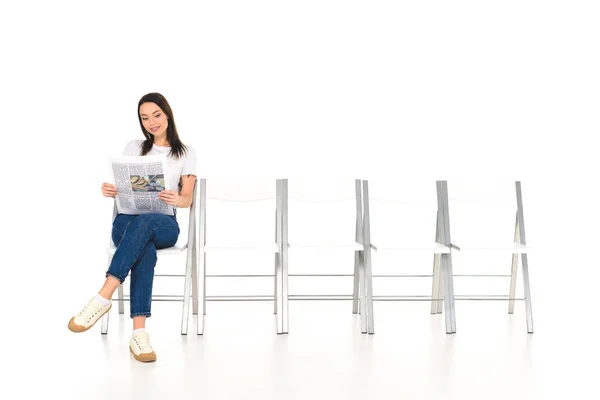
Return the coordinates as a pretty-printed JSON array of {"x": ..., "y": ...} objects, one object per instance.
[{"x": 109, "y": 190}]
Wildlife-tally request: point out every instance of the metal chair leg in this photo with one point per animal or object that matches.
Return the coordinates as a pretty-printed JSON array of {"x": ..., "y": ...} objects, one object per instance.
[
  {"x": 284, "y": 257},
  {"x": 106, "y": 316},
  {"x": 195, "y": 281},
  {"x": 366, "y": 237},
  {"x": 435, "y": 305},
  {"x": 525, "y": 265},
  {"x": 444, "y": 225},
  {"x": 187, "y": 286},
  {"x": 121, "y": 296},
  {"x": 105, "y": 323},
  {"x": 362, "y": 293},
  {"x": 513, "y": 271},
  {"x": 275, "y": 291},
  {"x": 355, "y": 292},
  {"x": 528, "y": 312},
  {"x": 204, "y": 286}
]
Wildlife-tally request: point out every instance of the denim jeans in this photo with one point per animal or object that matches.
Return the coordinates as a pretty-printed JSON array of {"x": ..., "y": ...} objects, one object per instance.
[{"x": 137, "y": 238}]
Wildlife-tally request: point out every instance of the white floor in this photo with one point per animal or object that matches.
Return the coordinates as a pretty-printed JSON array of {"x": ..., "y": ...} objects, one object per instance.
[{"x": 323, "y": 357}]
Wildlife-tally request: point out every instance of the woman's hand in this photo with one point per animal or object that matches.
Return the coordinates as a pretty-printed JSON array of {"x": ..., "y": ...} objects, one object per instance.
[
  {"x": 109, "y": 190},
  {"x": 169, "y": 196}
]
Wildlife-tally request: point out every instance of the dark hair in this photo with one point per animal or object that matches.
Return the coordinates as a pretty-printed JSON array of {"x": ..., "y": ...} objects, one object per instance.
[{"x": 177, "y": 148}]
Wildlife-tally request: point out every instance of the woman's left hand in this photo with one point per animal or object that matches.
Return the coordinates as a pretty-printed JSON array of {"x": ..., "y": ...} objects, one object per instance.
[{"x": 169, "y": 196}]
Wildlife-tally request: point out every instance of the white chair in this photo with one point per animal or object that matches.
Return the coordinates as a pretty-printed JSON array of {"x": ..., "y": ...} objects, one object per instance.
[
  {"x": 240, "y": 223},
  {"x": 185, "y": 245},
  {"x": 398, "y": 225},
  {"x": 309, "y": 215},
  {"x": 482, "y": 224}
]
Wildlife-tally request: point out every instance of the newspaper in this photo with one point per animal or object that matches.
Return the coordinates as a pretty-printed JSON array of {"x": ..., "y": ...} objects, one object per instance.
[{"x": 139, "y": 180}]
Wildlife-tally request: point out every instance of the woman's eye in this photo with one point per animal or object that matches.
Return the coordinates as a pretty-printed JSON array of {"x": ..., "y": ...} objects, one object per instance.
[
  {"x": 144, "y": 119},
  {"x": 156, "y": 115}
]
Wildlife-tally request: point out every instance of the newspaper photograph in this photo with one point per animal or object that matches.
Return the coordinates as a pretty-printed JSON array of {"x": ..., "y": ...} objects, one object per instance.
[{"x": 139, "y": 180}]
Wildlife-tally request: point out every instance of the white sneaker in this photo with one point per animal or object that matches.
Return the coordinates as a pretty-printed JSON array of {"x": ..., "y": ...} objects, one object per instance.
[
  {"x": 90, "y": 314},
  {"x": 140, "y": 347}
]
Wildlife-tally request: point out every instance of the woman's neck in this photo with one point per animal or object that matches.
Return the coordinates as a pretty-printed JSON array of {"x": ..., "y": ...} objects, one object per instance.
[{"x": 161, "y": 141}]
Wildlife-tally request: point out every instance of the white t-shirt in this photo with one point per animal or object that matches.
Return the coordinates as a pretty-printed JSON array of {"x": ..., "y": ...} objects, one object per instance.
[{"x": 184, "y": 165}]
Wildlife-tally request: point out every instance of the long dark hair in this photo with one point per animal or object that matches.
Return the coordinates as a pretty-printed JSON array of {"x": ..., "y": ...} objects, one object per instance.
[{"x": 177, "y": 148}]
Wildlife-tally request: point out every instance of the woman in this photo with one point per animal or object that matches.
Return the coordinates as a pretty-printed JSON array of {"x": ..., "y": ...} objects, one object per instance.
[{"x": 137, "y": 237}]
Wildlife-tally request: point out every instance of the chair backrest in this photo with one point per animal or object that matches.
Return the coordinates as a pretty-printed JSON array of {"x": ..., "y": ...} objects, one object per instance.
[
  {"x": 240, "y": 211},
  {"x": 323, "y": 210},
  {"x": 402, "y": 211},
  {"x": 482, "y": 211}
]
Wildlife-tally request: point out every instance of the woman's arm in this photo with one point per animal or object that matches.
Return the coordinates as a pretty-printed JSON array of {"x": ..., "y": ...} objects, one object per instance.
[
  {"x": 187, "y": 191},
  {"x": 183, "y": 199}
]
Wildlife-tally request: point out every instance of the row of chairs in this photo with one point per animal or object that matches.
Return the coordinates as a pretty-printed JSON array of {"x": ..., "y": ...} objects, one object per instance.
[{"x": 363, "y": 245}]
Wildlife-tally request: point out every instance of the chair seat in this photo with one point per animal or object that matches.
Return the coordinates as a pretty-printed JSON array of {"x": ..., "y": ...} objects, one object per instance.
[
  {"x": 215, "y": 246},
  {"x": 169, "y": 251},
  {"x": 350, "y": 245},
  {"x": 511, "y": 248},
  {"x": 433, "y": 247}
]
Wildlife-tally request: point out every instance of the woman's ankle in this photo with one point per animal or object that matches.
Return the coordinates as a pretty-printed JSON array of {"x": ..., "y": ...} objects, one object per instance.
[
  {"x": 110, "y": 285},
  {"x": 139, "y": 322}
]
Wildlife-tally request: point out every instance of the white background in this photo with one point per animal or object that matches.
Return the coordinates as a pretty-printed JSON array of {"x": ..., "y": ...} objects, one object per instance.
[{"x": 378, "y": 89}]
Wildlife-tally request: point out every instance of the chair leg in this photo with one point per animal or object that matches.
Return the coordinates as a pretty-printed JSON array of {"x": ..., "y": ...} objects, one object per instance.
[
  {"x": 105, "y": 323},
  {"x": 435, "y": 284},
  {"x": 369, "y": 290},
  {"x": 440, "y": 285},
  {"x": 447, "y": 277},
  {"x": 106, "y": 316},
  {"x": 275, "y": 298},
  {"x": 359, "y": 239},
  {"x": 513, "y": 283},
  {"x": 201, "y": 273},
  {"x": 440, "y": 293},
  {"x": 284, "y": 257},
  {"x": 513, "y": 273},
  {"x": 278, "y": 294},
  {"x": 278, "y": 241},
  {"x": 187, "y": 286},
  {"x": 281, "y": 293},
  {"x": 204, "y": 285},
  {"x": 121, "y": 297},
  {"x": 436, "y": 289},
  {"x": 362, "y": 293},
  {"x": 201, "y": 299},
  {"x": 449, "y": 307},
  {"x": 451, "y": 292},
  {"x": 355, "y": 292},
  {"x": 524, "y": 264},
  {"x": 186, "y": 306},
  {"x": 284, "y": 294},
  {"x": 528, "y": 311},
  {"x": 444, "y": 231},
  {"x": 194, "y": 282}
]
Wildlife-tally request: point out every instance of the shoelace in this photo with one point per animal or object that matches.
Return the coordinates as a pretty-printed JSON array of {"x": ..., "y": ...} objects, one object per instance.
[
  {"x": 89, "y": 311},
  {"x": 142, "y": 341}
]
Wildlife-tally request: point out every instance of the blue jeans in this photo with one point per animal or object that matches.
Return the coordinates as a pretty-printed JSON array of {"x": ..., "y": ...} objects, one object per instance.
[{"x": 137, "y": 238}]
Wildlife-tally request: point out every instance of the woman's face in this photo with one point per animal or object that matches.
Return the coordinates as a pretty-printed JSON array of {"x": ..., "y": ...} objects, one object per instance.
[{"x": 154, "y": 119}]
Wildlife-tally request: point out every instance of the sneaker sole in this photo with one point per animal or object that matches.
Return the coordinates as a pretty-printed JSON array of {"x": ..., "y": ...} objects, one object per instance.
[
  {"x": 73, "y": 327},
  {"x": 144, "y": 357}
]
